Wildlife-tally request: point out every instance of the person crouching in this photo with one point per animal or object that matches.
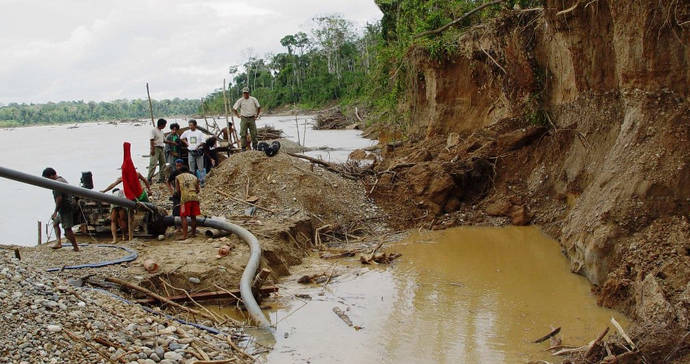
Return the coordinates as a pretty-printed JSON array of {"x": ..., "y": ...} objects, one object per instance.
[{"x": 187, "y": 185}]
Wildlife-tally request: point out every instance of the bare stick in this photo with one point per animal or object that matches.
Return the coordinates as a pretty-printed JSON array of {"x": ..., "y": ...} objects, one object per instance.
[
  {"x": 296, "y": 126},
  {"x": 225, "y": 101},
  {"x": 40, "y": 238},
  {"x": 458, "y": 20},
  {"x": 150, "y": 105},
  {"x": 553, "y": 333},
  {"x": 568, "y": 9},
  {"x": 595, "y": 342},
  {"x": 492, "y": 58},
  {"x": 191, "y": 299},
  {"x": 243, "y": 201},
  {"x": 239, "y": 350},
  {"x": 78, "y": 338},
  {"x": 623, "y": 334},
  {"x": 158, "y": 297}
]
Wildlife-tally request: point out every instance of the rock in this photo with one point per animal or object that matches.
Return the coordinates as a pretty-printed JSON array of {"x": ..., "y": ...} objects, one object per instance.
[
  {"x": 519, "y": 138},
  {"x": 161, "y": 237},
  {"x": 54, "y": 328},
  {"x": 498, "y": 208},
  {"x": 358, "y": 155},
  {"x": 146, "y": 361},
  {"x": 175, "y": 346},
  {"x": 49, "y": 304},
  {"x": 174, "y": 356},
  {"x": 155, "y": 357},
  {"x": 452, "y": 140},
  {"x": 652, "y": 305},
  {"x": 160, "y": 352},
  {"x": 519, "y": 216},
  {"x": 194, "y": 280}
]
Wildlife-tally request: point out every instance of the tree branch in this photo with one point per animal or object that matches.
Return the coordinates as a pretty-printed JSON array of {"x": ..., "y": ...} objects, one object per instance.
[{"x": 467, "y": 14}]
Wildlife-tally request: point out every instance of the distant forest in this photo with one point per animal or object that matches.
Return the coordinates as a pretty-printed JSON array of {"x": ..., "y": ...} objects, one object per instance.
[{"x": 80, "y": 111}]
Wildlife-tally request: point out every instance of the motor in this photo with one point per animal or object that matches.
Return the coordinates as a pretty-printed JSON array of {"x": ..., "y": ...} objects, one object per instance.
[
  {"x": 271, "y": 149},
  {"x": 87, "y": 180}
]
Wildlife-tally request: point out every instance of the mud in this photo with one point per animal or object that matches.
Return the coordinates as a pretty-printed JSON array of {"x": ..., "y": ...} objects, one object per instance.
[
  {"x": 460, "y": 295},
  {"x": 584, "y": 134}
]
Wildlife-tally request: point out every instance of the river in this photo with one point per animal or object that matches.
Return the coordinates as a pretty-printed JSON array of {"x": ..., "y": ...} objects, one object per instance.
[{"x": 97, "y": 147}]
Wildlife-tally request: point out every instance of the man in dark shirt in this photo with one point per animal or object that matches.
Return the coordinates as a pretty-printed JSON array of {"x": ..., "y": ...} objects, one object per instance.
[
  {"x": 63, "y": 207},
  {"x": 179, "y": 163}
]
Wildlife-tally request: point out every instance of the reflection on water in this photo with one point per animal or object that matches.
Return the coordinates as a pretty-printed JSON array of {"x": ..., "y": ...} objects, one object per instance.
[{"x": 464, "y": 295}]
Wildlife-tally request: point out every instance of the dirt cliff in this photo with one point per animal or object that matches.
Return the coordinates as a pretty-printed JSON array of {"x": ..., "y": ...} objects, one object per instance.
[{"x": 575, "y": 118}]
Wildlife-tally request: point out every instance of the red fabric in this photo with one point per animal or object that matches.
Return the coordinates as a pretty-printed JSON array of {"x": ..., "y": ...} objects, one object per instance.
[
  {"x": 190, "y": 208},
  {"x": 130, "y": 177}
]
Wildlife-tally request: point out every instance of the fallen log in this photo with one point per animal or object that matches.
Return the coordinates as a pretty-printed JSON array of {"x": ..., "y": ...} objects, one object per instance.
[{"x": 229, "y": 295}]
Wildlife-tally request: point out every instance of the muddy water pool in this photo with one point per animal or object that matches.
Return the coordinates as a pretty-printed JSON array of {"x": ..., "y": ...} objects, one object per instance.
[{"x": 464, "y": 295}]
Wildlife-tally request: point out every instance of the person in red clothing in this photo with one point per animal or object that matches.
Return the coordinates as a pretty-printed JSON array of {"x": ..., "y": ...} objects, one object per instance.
[{"x": 187, "y": 185}]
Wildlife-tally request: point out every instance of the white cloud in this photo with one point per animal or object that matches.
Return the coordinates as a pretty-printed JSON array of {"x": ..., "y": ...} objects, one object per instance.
[{"x": 93, "y": 50}]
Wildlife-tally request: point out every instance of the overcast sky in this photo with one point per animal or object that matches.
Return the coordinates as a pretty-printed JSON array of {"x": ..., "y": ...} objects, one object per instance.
[{"x": 104, "y": 50}]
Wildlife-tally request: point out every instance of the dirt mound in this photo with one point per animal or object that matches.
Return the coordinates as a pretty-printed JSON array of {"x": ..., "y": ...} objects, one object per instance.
[{"x": 284, "y": 186}]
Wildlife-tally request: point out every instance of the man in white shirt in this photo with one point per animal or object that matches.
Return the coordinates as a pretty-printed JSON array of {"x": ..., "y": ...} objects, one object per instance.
[
  {"x": 157, "y": 154},
  {"x": 194, "y": 139},
  {"x": 247, "y": 108}
]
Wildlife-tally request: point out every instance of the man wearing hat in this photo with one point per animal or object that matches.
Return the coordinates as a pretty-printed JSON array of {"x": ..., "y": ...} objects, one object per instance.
[{"x": 247, "y": 108}]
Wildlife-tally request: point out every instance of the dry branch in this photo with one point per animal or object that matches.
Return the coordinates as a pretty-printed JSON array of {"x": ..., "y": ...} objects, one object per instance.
[
  {"x": 551, "y": 334},
  {"x": 158, "y": 297},
  {"x": 242, "y": 201}
]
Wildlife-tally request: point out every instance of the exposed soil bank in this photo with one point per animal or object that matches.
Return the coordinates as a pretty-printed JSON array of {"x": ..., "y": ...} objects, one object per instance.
[{"x": 579, "y": 123}]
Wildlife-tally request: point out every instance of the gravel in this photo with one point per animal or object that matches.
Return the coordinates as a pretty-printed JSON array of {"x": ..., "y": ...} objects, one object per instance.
[{"x": 47, "y": 321}]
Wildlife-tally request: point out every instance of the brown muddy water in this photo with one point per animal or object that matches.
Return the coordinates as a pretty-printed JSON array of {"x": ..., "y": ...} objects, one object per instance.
[{"x": 463, "y": 295}]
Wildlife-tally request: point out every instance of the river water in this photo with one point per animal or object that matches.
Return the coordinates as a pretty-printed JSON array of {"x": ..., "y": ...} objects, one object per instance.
[
  {"x": 97, "y": 147},
  {"x": 463, "y": 295}
]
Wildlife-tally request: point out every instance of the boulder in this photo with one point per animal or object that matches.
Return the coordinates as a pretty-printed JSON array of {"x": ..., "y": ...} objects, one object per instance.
[{"x": 517, "y": 139}]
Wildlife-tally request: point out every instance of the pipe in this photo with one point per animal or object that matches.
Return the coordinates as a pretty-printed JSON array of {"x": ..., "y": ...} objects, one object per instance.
[
  {"x": 67, "y": 188},
  {"x": 255, "y": 249},
  {"x": 132, "y": 256},
  {"x": 249, "y": 271}
]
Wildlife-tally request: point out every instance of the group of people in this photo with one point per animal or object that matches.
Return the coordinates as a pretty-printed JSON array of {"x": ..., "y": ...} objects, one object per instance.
[{"x": 183, "y": 182}]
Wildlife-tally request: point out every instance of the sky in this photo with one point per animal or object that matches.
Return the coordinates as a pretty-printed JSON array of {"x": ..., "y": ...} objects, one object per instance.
[{"x": 89, "y": 50}]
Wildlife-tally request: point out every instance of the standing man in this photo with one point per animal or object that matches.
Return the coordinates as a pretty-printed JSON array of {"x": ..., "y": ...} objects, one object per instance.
[
  {"x": 187, "y": 185},
  {"x": 172, "y": 145},
  {"x": 63, "y": 207},
  {"x": 118, "y": 217},
  {"x": 157, "y": 142},
  {"x": 194, "y": 139},
  {"x": 179, "y": 168},
  {"x": 247, "y": 108}
]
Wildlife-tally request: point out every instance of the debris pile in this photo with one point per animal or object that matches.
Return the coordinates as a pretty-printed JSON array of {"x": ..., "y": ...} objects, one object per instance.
[
  {"x": 250, "y": 183},
  {"x": 331, "y": 118},
  {"x": 268, "y": 132}
]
